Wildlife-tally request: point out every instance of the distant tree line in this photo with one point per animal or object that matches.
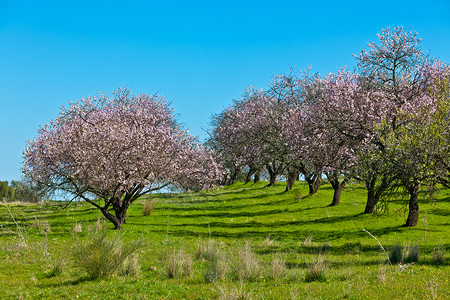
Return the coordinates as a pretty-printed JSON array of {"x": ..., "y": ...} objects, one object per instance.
[
  {"x": 23, "y": 190},
  {"x": 385, "y": 125}
]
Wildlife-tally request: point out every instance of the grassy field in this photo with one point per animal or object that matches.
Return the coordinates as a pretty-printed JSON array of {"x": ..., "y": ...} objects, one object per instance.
[{"x": 237, "y": 242}]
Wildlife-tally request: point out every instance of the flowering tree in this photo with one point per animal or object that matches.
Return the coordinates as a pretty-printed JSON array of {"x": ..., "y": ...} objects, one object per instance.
[
  {"x": 116, "y": 149},
  {"x": 397, "y": 75}
]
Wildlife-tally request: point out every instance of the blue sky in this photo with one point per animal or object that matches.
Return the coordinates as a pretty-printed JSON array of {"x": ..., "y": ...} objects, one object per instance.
[{"x": 199, "y": 54}]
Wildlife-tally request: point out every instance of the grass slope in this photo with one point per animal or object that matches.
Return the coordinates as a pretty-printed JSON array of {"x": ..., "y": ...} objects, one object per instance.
[{"x": 287, "y": 234}]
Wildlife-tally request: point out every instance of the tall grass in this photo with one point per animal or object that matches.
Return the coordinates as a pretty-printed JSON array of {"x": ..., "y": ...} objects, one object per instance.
[{"x": 101, "y": 256}]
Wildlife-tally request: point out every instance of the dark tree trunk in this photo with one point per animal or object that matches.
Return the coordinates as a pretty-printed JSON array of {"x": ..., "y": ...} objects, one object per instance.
[
  {"x": 337, "y": 195},
  {"x": 112, "y": 218},
  {"x": 338, "y": 187},
  {"x": 313, "y": 181},
  {"x": 257, "y": 176},
  {"x": 374, "y": 193},
  {"x": 413, "y": 215},
  {"x": 233, "y": 176},
  {"x": 120, "y": 211},
  {"x": 251, "y": 171},
  {"x": 272, "y": 175},
  {"x": 292, "y": 176}
]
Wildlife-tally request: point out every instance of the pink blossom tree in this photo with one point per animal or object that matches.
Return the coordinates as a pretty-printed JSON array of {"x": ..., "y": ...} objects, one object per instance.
[
  {"x": 398, "y": 74},
  {"x": 109, "y": 151}
]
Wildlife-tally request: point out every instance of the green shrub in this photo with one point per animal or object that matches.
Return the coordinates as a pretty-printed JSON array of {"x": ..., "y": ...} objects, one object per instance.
[
  {"x": 317, "y": 271},
  {"x": 396, "y": 254},
  {"x": 411, "y": 254},
  {"x": 216, "y": 264},
  {"x": 179, "y": 264},
  {"x": 148, "y": 207},
  {"x": 101, "y": 256},
  {"x": 56, "y": 269},
  {"x": 438, "y": 255},
  {"x": 246, "y": 266}
]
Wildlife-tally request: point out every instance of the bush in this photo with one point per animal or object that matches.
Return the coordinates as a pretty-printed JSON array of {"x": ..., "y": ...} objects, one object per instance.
[
  {"x": 56, "y": 269},
  {"x": 411, "y": 254},
  {"x": 407, "y": 254},
  {"x": 130, "y": 266},
  {"x": 278, "y": 267},
  {"x": 317, "y": 271},
  {"x": 246, "y": 266},
  {"x": 216, "y": 265},
  {"x": 396, "y": 254},
  {"x": 148, "y": 207},
  {"x": 438, "y": 255},
  {"x": 101, "y": 256},
  {"x": 179, "y": 264}
]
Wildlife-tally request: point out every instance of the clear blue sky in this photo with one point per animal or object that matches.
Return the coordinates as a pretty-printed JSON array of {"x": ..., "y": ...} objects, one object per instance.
[{"x": 200, "y": 54}]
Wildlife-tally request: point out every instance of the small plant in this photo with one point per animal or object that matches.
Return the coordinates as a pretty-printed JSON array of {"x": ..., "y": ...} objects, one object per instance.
[
  {"x": 56, "y": 269},
  {"x": 148, "y": 207},
  {"x": 99, "y": 225},
  {"x": 130, "y": 266},
  {"x": 42, "y": 226},
  {"x": 268, "y": 242},
  {"x": 77, "y": 228},
  {"x": 235, "y": 293},
  {"x": 396, "y": 254},
  {"x": 277, "y": 267},
  {"x": 317, "y": 271},
  {"x": 246, "y": 266},
  {"x": 307, "y": 241},
  {"x": 411, "y": 254},
  {"x": 101, "y": 256},
  {"x": 381, "y": 274},
  {"x": 438, "y": 255},
  {"x": 216, "y": 264},
  {"x": 179, "y": 264},
  {"x": 432, "y": 287},
  {"x": 297, "y": 195}
]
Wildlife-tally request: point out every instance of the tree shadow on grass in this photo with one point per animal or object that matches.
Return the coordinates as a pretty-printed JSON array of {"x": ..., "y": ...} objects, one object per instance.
[{"x": 70, "y": 282}]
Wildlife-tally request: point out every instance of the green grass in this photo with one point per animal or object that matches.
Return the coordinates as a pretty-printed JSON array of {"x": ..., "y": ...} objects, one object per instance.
[{"x": 293, "y": 231}]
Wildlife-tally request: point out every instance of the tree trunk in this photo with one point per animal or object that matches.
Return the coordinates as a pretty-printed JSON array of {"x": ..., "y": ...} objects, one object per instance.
[
  {"x": 413, "y": 215},
  {"x": 338, "y": 187},
  {"x": 233, "y": 176},
  {"x": 337, "y": 195},
  {"x": 257, "y": 176},
  {"x": 251, "y": 171},
  {"x": 374, "y": 193},
  {"x": 372, "y": 200},
  {"x": 112, "y": 218},
  {"x": 292, "y": 176},
  {"x": 313, "y": 183},
  {"x": 272, "y": 176}
]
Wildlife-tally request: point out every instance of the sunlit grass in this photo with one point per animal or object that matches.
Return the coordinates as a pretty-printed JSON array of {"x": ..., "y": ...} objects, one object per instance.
[{"x": 285, "y": 232}]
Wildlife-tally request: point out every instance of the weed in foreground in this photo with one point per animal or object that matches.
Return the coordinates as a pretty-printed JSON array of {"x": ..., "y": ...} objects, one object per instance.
[
  {"x": 411, "y": 254},
  {"x": 149, "y": 206},
  {"x": 56, "y": 269},
  {"x": 216, "y": 264},
  {"x": 246, "y": 267},
  {"x": 101, "y": 256},
  {"x": 77, "y": 228},
  {"x": 42, "y": 226},
  {"x": 235, "y": 293},
  {"x": 396, "y": 254},
  {"x": 317, "y": 270},
  {"x": 438, "y": 255},
  {"x": 131, "y": 266},
  {"x": 277, "y": 268},
  {"x": 381, "y": 273},
  {"x": 179, "y": 264},
  {"x": 99, "y": 225}
]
